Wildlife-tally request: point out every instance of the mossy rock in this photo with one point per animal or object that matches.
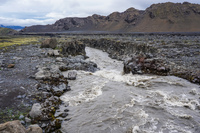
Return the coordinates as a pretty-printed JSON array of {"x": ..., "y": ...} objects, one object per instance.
[{"x": 49, "y": 43}]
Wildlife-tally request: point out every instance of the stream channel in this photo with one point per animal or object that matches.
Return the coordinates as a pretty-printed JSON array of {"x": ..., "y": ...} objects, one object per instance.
[{"x": 108, "y": 101}]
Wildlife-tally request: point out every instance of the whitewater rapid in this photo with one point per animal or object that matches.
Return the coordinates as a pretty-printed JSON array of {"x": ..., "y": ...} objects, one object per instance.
[{"x": 108, "y": 101}]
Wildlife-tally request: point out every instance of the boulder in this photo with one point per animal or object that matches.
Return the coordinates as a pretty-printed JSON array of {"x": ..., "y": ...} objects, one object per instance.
[
  {"x": 78, "y": 63},
  {"x": 59, "y": 59},
  {"x": 27, "y": 120},
  {"x": 48, "y": 72},
  {"x": 73, "y": 48},
  {"x": 53, "y": 53},
  {"x": 36, "y": 111},
  {"x": 43, "y": 73},
  {"x": 34, "y": 129},
  {"x": 12, "y": 127},
  {"x": 49, "y": 43},
  {"x": 58, "y": 90},
  {"x": 139, "y": 65},
  {"x": 132, "y": 65},
  {"x": 17, "y": 127}
]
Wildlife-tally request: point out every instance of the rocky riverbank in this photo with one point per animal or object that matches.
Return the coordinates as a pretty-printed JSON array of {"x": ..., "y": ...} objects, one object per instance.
[
  {"x": 161, "y": 54},
  {"x": 31, "y": 82}
]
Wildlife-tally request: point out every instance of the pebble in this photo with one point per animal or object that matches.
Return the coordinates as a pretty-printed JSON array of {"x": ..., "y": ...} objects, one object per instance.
[
  {"x": 21, "y": 117},
  {"x": 43, "y": 125},
  {"x": 19, "y": 97},
  {"x": 72, "y": 75},
  {"x": 22, "y": 88},
  {"x": 11, "y": 65},
  {"x": 59, "y": 59},
  {"x": 27, "y": 120},
  {"x": 22, "y": 122},
  {"x": 63, "y": 115},
  {"x": 66, "y": 110},
  {"x": 67, "y": 119}
]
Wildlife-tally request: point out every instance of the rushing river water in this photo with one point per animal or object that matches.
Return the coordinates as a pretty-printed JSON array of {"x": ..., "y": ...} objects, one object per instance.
[{"x": 108, "y": 101}]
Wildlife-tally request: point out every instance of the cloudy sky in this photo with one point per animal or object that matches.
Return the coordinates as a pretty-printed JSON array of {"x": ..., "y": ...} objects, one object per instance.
[{"x": 32, "y": 12}]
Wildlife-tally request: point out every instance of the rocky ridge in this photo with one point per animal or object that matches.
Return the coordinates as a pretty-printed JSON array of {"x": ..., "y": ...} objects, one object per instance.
[{"x": 162, "y": 17}]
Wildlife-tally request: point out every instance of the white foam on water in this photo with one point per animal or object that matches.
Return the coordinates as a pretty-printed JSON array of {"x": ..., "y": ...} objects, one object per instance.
[
  {"x": 136, "y": 129},
  {"x": 174, "y": 128},
  {"x": 136, "y": 80},
  {"x": 170, "y": 99},
  {"x": 131, "y": 104},
  {"x": 112, "y": 70},
  {"x": 149, "y": 126},
  {"x": 87, "y": 95},
  {"x": 102, "y": 59},
  {"x": 179, "y": 114}
]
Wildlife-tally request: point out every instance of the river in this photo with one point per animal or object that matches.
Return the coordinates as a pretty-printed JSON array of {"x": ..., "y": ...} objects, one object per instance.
[{"x": 108, "y": 101}]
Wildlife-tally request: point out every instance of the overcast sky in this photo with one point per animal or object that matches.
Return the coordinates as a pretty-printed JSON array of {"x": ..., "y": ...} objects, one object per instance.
[{"x": 32, "y": 12}]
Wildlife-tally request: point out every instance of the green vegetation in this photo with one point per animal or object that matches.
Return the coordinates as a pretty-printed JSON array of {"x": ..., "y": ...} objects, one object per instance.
[
  {"x": 186, "y": 41},
  {"x": 163, "y": 42},
  {"x": 10, "y": 114},
  {"x": 6, "y": 41}
]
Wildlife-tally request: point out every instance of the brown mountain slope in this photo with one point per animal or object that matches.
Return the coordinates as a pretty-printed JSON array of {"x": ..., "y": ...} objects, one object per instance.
[
  {"x": 114, "y": 22},
  {"x": 170, "y": 17},
  {"x": 164, "y": 17}
]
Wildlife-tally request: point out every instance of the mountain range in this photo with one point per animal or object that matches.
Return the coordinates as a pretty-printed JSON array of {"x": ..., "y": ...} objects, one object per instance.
[
  {"x": 161, "y": 17},
  {"x": 13, "y": 27}
]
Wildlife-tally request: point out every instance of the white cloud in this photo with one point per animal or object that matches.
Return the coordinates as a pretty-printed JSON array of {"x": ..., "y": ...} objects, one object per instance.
[
  {"x": 31, "y": 12},
  {"x": 25, "y": 22},
  {"x": 55, "y": 15}
]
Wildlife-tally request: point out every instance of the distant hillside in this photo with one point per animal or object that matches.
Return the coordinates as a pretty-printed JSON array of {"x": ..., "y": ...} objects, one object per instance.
[
  {"x": 6, "y": 31},
  {"x": 162, "y": 17},
  {"x": 170, "y": 17},
  {"x": 13, "y": 27}
]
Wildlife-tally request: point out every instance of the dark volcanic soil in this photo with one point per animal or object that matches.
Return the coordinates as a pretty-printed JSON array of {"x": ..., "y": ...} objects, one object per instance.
[{"x": 16, "y": 84}]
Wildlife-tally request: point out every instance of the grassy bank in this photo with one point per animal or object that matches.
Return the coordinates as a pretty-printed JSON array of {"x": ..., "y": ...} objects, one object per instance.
[{"x": 6, "y": 41}]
